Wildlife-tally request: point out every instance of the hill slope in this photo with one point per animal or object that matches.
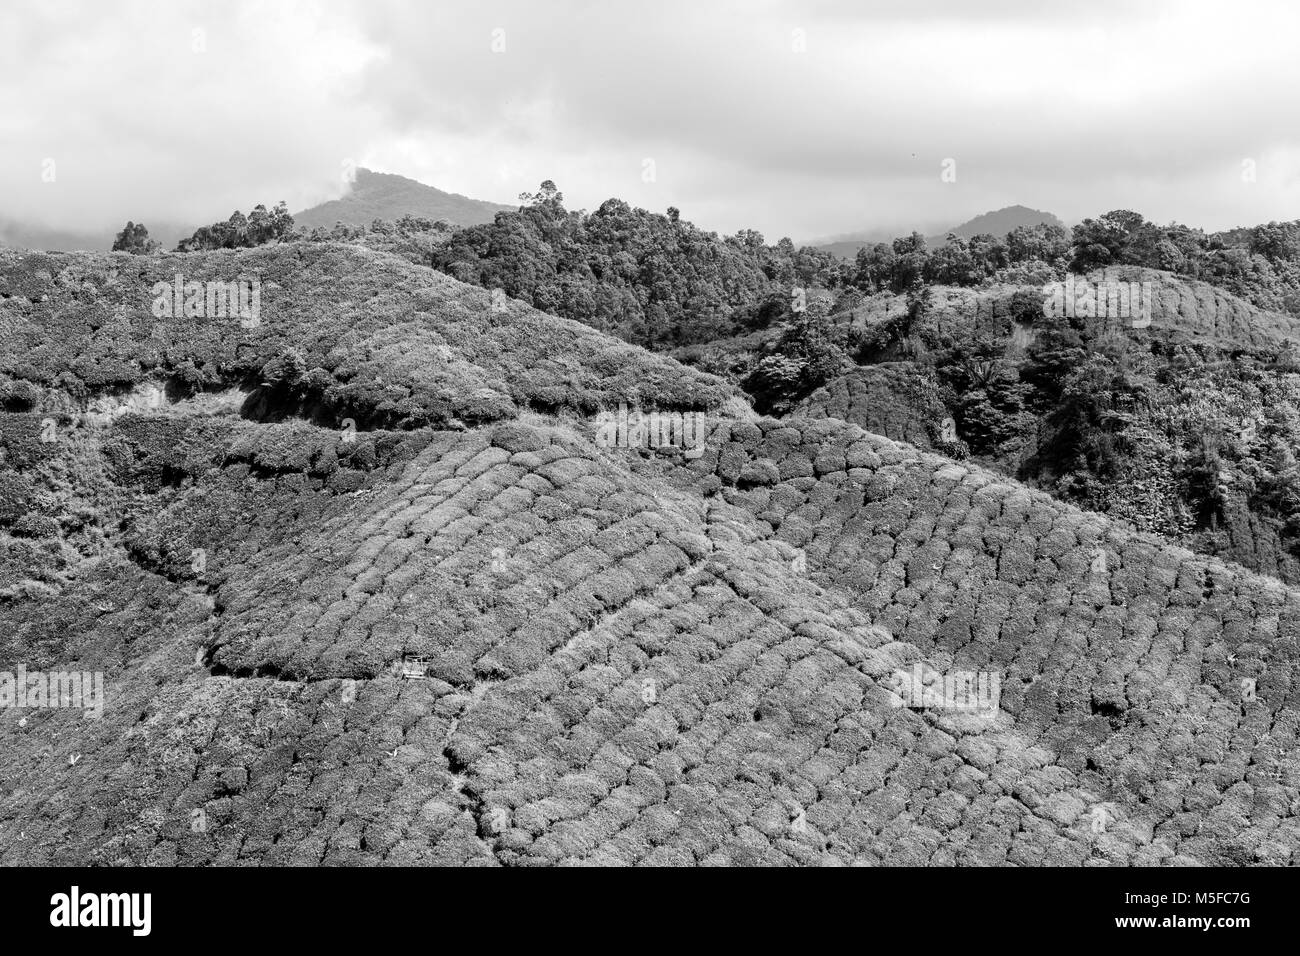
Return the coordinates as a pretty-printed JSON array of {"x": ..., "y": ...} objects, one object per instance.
[
  {"x": 390, "y": 197},
  {"x": 612, "y": 654}
]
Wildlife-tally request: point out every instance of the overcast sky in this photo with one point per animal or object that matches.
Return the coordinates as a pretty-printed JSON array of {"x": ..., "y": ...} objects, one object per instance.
[{"x": 803, "y": 118}]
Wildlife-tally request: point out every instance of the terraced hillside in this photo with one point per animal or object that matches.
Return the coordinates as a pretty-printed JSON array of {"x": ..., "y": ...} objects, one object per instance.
[
  {"x": 463, "y": 630},
  {"x": 891, "y": 399},
  {"x": 1194, "y": 310}
]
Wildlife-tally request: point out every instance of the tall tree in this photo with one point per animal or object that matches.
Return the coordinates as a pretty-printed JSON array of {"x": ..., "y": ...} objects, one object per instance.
[{"x": 134, "y": 238}]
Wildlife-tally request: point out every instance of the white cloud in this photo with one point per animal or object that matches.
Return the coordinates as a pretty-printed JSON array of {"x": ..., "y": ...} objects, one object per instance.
[
  {"x": 1072, "y": 107},
  {"x": 176, "y": 111}
]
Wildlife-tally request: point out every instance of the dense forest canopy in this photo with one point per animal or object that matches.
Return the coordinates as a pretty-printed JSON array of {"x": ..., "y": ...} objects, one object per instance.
[{"x": 651, "y": 278}]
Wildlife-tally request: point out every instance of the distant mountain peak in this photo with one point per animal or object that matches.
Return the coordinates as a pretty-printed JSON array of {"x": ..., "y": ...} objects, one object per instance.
[
  {"x": 997, "y": 222},
  {"x": 1001, "y": 221},
  {"x": 375, "y": 195}
]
